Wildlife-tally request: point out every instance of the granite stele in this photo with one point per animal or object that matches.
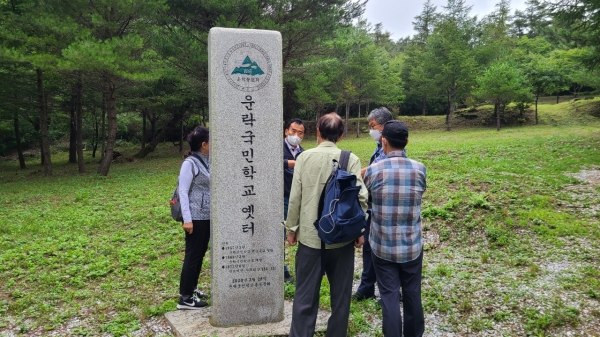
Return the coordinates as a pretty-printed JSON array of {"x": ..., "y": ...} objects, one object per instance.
[{"x": 246, "y": 133}]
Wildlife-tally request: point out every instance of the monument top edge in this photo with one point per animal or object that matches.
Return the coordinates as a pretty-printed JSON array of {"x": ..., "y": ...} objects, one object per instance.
[{"x": 216, "y": 30}]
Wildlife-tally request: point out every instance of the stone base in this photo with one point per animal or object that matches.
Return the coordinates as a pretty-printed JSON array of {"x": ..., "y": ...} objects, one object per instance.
[{"x": 194, "y": 323}]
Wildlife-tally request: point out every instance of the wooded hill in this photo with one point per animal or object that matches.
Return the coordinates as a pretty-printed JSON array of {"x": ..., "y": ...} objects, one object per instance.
[{"x": 96, "y": 72}]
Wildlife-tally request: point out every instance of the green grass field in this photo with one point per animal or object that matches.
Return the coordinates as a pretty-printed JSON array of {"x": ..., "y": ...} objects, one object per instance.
[{"x": 512, "y": 238}]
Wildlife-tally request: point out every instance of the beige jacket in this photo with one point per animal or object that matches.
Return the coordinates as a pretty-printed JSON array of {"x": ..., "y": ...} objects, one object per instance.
[{"x": 312, "y": 169}]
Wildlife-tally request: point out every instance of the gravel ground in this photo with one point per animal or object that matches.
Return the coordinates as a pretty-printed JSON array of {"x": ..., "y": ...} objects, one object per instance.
[{"x": 486, "y": 298}]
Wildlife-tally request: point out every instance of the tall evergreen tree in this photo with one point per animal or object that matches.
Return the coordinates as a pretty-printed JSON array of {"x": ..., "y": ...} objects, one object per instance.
[
  {"x": 116, "y": 48},
  {"x": 418, "y": 83},
  {"x": 501, "y": 83},
  {"x": 425, "y": 22},
  {"x": 449, "y": 59}
]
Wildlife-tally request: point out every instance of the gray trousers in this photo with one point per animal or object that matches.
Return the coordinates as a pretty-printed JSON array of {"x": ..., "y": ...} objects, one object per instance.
[{"x": 339, "y": 267}]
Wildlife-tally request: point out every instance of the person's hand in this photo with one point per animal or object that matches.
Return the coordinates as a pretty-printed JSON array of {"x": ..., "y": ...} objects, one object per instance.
[
  {"x": 362, "y": 172},
  {"x": 359, "y": 241},
  {"x": 291, "y": 163},
  {"x": 188, "y": 227},
  {"x": 291, "y": 238}
]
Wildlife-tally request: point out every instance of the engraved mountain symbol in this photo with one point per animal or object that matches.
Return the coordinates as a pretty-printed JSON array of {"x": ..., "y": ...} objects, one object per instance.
[{"x": 248, "y": 67}]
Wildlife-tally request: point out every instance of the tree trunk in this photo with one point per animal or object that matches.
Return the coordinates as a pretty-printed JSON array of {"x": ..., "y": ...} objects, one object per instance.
[
  {"x": 557, "y": 97},
  {"x": 44, "y": 125},
  {"x": 144, "y": 113},
  {"x": 497, "y": 107},
  {"x": 347, "y": 117},
  {"x": 575, "y": 90},
  {"x": 451, "y": 98},
  {"x": 103, "y": 128},
  {"x": 424, "y": 106},
  {"x": 152, "y": 145},
  {"x": 153, "y": 127},
  {"x": 18, "y": 139},
  {"x": 203, "y": 109},
  {"x": 73, "y": 128},
  {"x": 111, "y": 112},
  {"x": 79, "y": 114},
  {"x": 320, "y": 108},
  {"x": 181, "y": 133},
  {"x": 358, "y": 121},
  {"x": 96, "y": 135},
  {"x": 536, "y": 108}
]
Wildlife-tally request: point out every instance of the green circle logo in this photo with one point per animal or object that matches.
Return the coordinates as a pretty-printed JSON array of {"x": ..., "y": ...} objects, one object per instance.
[{"x": 247, "y": 67}]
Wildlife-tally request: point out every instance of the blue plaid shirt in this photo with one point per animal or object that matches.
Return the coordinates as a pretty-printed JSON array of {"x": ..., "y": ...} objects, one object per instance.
[
  {"x": 377, "y": 154},
  {"x": 396, "y": 185}
]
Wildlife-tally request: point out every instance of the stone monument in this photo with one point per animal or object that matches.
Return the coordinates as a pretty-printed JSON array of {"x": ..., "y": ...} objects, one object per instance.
[{"x": 246, "y": 134}]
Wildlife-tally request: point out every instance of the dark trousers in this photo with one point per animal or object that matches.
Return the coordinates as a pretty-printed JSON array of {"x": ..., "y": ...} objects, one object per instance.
[
  {"x": 196, "y": 245},
  {"x": 339, "y": 267},
  {"x": 368, "y": 277},
  {"x": 390, "y": 276}
]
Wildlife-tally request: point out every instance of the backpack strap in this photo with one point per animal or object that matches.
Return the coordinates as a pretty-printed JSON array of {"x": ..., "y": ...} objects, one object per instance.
[
  {"x": 341, "y": 164},
  {"x": 201, "y": 161},
  {"x": 344, "y": 159}
]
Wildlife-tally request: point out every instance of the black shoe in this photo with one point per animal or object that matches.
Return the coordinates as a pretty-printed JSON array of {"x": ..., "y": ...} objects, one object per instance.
[
  {"x": 191, "y": 303},
  {"x": 287, "y": 278},
  {"x": 360, "y": 297},
  {"x": 200, "y": 294}
]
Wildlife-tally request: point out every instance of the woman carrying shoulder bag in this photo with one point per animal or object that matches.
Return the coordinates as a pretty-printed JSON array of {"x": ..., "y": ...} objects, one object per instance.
[{"x": 194, "y": 196}]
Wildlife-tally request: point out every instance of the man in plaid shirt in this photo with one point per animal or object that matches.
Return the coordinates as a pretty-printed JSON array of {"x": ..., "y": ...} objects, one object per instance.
[{"x": 397, "y": 185}]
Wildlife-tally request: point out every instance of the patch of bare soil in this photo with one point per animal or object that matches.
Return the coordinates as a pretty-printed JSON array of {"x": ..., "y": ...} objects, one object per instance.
[
  {"x": 591, "y": 177},
  {"x": 584, "y": 197}
]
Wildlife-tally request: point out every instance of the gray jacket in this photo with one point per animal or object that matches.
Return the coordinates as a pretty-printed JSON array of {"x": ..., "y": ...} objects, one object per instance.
[{"x": 194, "y": 191}]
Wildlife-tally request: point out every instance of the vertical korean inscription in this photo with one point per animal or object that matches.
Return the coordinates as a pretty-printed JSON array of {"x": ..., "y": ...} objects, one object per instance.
[{"x": 245, "y": 105}]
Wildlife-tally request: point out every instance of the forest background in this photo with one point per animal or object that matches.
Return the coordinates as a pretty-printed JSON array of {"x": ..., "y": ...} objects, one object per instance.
[
  {"x": 510, "y": 218},
  {"x": 95, "y": 74}
]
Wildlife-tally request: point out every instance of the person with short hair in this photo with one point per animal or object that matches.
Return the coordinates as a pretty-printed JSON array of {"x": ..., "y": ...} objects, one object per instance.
[
  {"x": 376, "y": 119},
  {"x": 396, "y": 185},
  {"x": 312, "y": 169},
  {"x": 294, "y": 133},
  {"x": 194, "y": 196}
]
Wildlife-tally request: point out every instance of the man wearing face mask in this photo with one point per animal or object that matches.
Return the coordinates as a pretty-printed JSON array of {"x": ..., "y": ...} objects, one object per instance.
[
  {"x": 376, "y": 119},
  {"x": 294, "y": 133}
]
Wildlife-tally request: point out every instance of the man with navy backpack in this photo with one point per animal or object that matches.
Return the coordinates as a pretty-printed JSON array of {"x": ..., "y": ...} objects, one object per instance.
[
  {"x": 397, "y": 184},
  {"x": 311, "y": 172}
]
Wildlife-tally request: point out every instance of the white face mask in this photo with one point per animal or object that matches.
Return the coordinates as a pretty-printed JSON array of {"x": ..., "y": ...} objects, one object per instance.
[
  {"x": 375, "y": 134},
  {"x": 293, "y": 140}
]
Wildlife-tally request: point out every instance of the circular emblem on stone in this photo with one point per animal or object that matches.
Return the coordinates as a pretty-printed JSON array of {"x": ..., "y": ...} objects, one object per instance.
[{"x": 247, "y": 67}]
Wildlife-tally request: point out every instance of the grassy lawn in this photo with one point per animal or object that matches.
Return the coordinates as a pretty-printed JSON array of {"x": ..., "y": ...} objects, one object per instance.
[{"x": 512, "y": 238}]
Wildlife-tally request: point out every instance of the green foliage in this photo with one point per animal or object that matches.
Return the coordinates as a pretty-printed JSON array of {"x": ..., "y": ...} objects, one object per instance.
[
  {"x": 537, "y": 323},
  {"x": 502, "y": 83},
  {"x": 579, "y": 19}
]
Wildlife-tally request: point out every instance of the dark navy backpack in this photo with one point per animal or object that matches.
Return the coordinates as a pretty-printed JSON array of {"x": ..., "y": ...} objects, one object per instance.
[{"x": 341, "y": 219}]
